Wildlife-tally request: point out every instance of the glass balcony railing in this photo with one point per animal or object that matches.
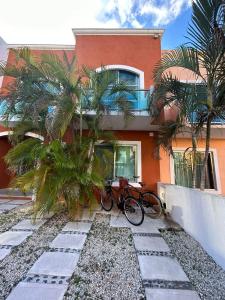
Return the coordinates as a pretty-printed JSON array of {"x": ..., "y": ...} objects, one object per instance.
[
  {"x": 215, "y": 121},
  {"x": 137, "y": 100}
]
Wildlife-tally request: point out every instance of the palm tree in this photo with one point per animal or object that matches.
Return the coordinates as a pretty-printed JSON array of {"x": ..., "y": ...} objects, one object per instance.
[
  {"x": 49, "y": 96},
  {"x": 204, "y": 57},
  {"x": 186, "y": 99}
]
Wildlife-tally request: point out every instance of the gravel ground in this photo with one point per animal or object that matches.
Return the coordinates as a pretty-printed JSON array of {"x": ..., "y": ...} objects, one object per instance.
[
  {"x": 12, "y": 217},
  {"x": 108, "y": 266},
  {"x": 205, "y": 275},
  {"x": 22, "y": 257}
]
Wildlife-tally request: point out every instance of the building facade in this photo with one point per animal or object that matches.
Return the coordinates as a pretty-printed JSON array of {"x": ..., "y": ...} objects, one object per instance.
[{"x": 132, "y": 55}]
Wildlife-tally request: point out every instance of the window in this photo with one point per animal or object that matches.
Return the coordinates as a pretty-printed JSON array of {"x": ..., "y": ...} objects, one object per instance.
[
  {"x": 119, "y": 160},
  {"x": 132, "y": 81},
  {"x": 183, "y": 169},
  {"x": 130, "y": 78}
]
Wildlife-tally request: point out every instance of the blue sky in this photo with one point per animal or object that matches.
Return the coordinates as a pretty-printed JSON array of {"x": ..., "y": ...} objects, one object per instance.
[
  {"x": 50, "y": 21},
  {"x": 176, "y": 31}
]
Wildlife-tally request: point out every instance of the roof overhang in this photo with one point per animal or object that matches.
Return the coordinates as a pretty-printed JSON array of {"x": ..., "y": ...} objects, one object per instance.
[
  {"x": 41, "y": 46},
  {"x": 118, "y": 31}
]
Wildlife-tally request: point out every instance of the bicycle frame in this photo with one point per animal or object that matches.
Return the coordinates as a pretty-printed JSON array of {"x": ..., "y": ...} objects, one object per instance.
[{"x": 121, "y": 193}]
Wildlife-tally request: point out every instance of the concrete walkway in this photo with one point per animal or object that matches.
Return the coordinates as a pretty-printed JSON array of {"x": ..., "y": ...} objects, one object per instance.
[
  {"x": 8, "y": 204},
  {"x": 49, "y": 276},
  {"x": 162, "y": 275},
  {"x": 18, "y": 233}
]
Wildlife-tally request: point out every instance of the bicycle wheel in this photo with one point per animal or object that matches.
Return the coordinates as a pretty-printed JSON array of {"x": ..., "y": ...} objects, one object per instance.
[
  {"x": 133, "y": 211},
  {"x": 152, "y": 205},
  {"x": 106, "y": 200}
]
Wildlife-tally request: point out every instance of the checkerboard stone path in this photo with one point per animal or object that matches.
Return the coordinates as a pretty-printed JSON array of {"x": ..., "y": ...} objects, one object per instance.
[
  {"x": 162, "y": 276},
  {"x": 49, "y": 276},
  {"x": 9, "y": 204},
  {"x": 18, "y": 233}
]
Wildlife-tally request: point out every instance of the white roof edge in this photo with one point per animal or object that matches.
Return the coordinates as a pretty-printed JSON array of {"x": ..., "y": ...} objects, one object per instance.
[
  {"x": 117, "y": 31},
  {"x": 42, "y": 46}
]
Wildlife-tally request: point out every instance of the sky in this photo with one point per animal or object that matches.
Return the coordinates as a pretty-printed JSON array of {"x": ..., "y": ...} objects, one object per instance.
[{"x": 51, "y": 21}]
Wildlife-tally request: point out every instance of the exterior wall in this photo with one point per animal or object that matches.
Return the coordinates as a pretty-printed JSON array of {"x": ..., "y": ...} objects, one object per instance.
[
  {"x": 141, "y": 52},
  {"x": 3, "y": 55},
  {"x": 218, "y": 145},
  {"x": 4, "y": 175},
  {"x": 194, "y": 211},
  {"x": 36, "y": 52}
]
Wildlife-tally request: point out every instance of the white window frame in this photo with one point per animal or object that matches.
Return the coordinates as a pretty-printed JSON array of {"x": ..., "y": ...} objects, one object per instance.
[
  {"x": 140, "y": 73},
  {"x": 139, "y": 161},
  {"x": 216, "y": 166}
]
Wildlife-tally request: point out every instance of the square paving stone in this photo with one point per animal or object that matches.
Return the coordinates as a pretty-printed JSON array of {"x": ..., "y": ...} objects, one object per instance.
[
  {"x": 4, "y": 253},
  {"x": 121, "y": 221},
  {"x": 19, "y": 202},
  {"x": 13, "y": 238},
  {"x": 169, "y": 294},
  {"x": 4, "y": 201},
  {"x": 150, "y": 243},
  {"x": 55, "y": 263},
  {"x": 27, "y": 224},
  {"x": 77, "y": 226},
  {"x": 6, "y": 206},
  {"x": 68, "y": 240},
  {"x": 36, "y": 291},
  {"x": 159, "y": 267}
]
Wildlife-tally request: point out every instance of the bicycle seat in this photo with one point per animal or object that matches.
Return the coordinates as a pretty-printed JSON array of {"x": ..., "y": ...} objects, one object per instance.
[{"x": 141, "y": 183}]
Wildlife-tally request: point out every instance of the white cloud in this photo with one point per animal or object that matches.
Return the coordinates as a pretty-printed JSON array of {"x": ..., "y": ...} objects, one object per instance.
[
  {"x": 137, "y": 13},
  {"x": 50, "y": 21},
  {"x": 166, "y": 12}
]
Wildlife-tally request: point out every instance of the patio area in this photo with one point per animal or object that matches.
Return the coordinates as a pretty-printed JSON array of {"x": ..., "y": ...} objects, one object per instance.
[{"x": 101, "y": 256}]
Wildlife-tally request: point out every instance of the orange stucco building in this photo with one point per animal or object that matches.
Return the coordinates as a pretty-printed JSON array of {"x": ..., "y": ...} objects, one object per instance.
[{"x": 132, "y": 54}]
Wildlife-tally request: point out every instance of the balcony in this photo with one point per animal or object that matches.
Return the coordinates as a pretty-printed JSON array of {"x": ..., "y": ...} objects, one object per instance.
[
  {"x": 136, "y": 101},
  {"x": 215, "y": 121}
]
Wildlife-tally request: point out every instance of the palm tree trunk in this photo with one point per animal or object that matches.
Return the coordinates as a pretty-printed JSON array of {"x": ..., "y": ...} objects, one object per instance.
[
  {"x": 81, "y": 126},
  {"x": 207, "y": 146},
  {"x": 194, "y": 147}
]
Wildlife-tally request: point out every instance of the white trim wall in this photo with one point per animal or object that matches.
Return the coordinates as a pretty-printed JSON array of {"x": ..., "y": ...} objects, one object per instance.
[
  {"x": 3, "y": 55},
  {"x": 216, "y": 165},
  {"x": 201, "y": 214},
  {"x": 126, "y": 68}
]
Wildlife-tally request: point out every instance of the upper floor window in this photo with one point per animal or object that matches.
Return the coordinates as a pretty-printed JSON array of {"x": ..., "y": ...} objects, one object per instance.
[{"x": 131, "y": 79}]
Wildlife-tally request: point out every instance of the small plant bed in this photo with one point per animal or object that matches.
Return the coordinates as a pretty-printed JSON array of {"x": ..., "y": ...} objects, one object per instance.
[
  {"x": 108, "y": 266},
  {"x": 205, "y": 275}
]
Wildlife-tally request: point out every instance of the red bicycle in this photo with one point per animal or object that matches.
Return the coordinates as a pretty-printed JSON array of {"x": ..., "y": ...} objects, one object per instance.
[{"x": 130, "y": 207}]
